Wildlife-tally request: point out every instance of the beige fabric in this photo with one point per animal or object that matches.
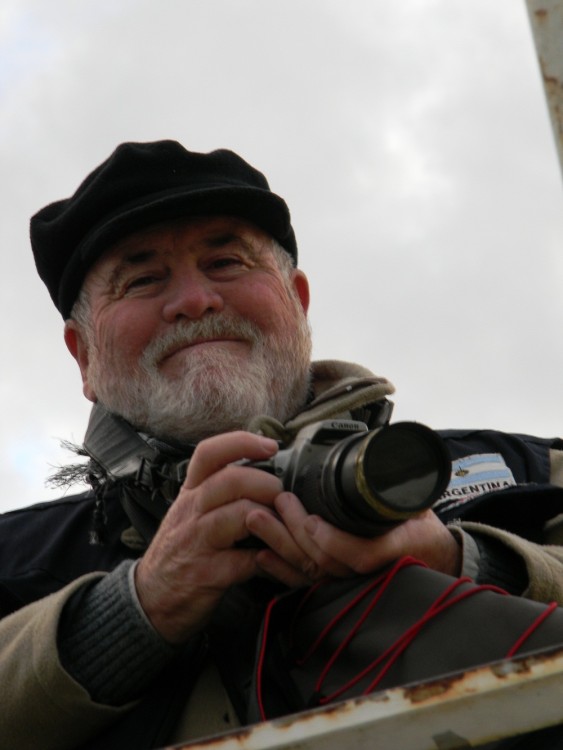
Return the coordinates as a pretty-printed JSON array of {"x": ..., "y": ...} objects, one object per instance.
[
  {"x": 44, "y": 708},
  {"x": 556, "y": 466},
  {"x": 41, "y": 706},
  {"x": 338, "y": 389},
  {"x": 544, "y": 563}
]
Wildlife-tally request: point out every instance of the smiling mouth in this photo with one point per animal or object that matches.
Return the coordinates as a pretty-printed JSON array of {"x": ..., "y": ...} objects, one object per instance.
[{"x": 201, "y": 342}]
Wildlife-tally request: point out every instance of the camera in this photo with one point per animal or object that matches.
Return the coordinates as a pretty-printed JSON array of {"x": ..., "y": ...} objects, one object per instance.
[{"x": 363, "y": 481}]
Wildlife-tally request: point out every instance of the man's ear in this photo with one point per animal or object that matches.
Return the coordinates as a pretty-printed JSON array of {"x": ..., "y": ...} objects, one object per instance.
[
  {"x": 78, "y": 347},
  {"x": 301, "y": 286}
]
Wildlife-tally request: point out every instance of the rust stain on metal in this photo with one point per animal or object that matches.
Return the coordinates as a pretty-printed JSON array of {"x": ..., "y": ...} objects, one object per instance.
[
  {"x": 553, "y": 87},
  {"x": 330, "y": 711},
  {"x": 551, "y": 80},
  {"x": 546, "y": 17},
  {"x": 548, "y": 79},
  {"x": 506, "y": 668},
  {"x": 526, "y": 663},
  {"x": 461, "y": 682},
  {"x": 329, "y": 714},
  {"x": 427, "y": 690}
]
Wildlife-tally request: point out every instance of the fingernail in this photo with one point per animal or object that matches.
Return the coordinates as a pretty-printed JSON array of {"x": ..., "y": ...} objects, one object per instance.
[{"x": 269, "y": 444}]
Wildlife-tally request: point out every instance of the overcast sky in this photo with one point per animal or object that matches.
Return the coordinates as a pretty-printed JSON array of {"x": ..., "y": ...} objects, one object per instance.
[{"x": 410, "y": 139}]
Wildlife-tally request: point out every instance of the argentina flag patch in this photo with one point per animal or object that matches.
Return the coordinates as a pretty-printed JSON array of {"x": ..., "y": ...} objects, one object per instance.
[{"x": 475, "y": 475}]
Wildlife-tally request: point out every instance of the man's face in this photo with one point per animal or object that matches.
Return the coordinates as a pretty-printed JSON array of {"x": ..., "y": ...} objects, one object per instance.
[{"x": 194, "y": 329}]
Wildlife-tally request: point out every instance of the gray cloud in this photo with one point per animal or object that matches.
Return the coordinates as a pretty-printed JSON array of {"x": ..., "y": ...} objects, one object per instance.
[{"x": 411, "y": 140}]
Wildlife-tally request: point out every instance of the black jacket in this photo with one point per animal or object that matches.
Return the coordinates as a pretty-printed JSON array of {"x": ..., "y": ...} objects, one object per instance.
[{"x": 44, "y": 547}]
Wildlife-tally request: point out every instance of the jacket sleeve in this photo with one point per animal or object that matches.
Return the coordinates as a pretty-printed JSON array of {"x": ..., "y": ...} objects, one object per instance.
[
  {"x": 556, "y": 466},
  {"x": 543, "y": 562},
  {"x": 41, "y": 705},
  {"x": 512, "y": 537}
]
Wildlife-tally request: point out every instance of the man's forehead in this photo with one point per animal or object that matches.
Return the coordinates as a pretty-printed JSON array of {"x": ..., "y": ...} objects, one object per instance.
[{"x": 205, "y": 230}]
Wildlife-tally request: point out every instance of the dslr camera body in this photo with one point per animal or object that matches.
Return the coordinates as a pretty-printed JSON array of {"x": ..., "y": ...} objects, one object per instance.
[{"x": 363, "y": 481}]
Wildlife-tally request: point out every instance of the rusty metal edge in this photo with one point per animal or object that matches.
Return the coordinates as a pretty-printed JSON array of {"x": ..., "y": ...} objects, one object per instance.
[{"x": 495, "y": 701}]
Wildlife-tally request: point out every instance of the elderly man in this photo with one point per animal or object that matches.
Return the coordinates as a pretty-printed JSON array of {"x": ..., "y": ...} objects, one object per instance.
[{"x": 176, "y": 275}]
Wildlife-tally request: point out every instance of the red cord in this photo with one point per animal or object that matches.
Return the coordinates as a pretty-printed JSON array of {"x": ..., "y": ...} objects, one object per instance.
[
  {"x": 531, "y": 629},
  {"x": 385, "y": 581},
  {"x": 335, "y": 620},
  {"x": 262, "y": 657},
  {"x": 408, "y": 637},
  {"x": 393, "y": 652}
]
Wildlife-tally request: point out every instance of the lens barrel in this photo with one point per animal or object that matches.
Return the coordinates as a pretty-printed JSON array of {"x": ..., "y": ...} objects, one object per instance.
[{"x": 372, "y": 481}]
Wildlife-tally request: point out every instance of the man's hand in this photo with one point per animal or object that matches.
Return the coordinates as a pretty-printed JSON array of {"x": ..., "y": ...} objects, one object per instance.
[
  {"x": 193, "y": 559},
  {"x": 331, "y": 551}
]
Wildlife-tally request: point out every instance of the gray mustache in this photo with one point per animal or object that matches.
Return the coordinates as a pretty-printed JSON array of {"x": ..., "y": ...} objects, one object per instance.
[{"x": 187, "y": 333}]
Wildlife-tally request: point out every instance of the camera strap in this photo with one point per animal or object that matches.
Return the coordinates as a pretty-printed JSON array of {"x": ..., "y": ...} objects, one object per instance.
[
  {"x": 146, "y": 473},
  {"x": 115, "y": 446}
]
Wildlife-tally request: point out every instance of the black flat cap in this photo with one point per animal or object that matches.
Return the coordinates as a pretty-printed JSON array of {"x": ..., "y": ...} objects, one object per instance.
[{"x": 142, "y": 184}]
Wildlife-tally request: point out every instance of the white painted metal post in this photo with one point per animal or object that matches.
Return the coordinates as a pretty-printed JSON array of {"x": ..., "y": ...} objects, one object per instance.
[{"x": 546, "y": 18}]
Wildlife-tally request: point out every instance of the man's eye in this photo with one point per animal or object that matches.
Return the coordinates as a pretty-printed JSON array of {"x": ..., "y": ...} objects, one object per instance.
[
  {"x": 141, "y": 281},
  {"x": 227, "y": 262}
]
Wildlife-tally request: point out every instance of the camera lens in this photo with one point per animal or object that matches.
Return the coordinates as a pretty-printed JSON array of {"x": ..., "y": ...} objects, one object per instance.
[
  {"x": 403, "y": 468},
  {"x": 371, "y": 482}
]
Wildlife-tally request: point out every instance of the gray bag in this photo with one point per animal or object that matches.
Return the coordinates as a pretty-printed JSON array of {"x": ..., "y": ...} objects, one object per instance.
[{"x": 343, "y": 639}]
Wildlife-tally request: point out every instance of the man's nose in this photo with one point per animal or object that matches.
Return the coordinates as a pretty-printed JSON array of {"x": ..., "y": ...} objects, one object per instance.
[{"x": 191, "y": 296}]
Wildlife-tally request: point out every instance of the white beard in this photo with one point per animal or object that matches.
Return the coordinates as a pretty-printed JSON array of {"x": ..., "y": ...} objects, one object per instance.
[{"x": 216, "y": 391}]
